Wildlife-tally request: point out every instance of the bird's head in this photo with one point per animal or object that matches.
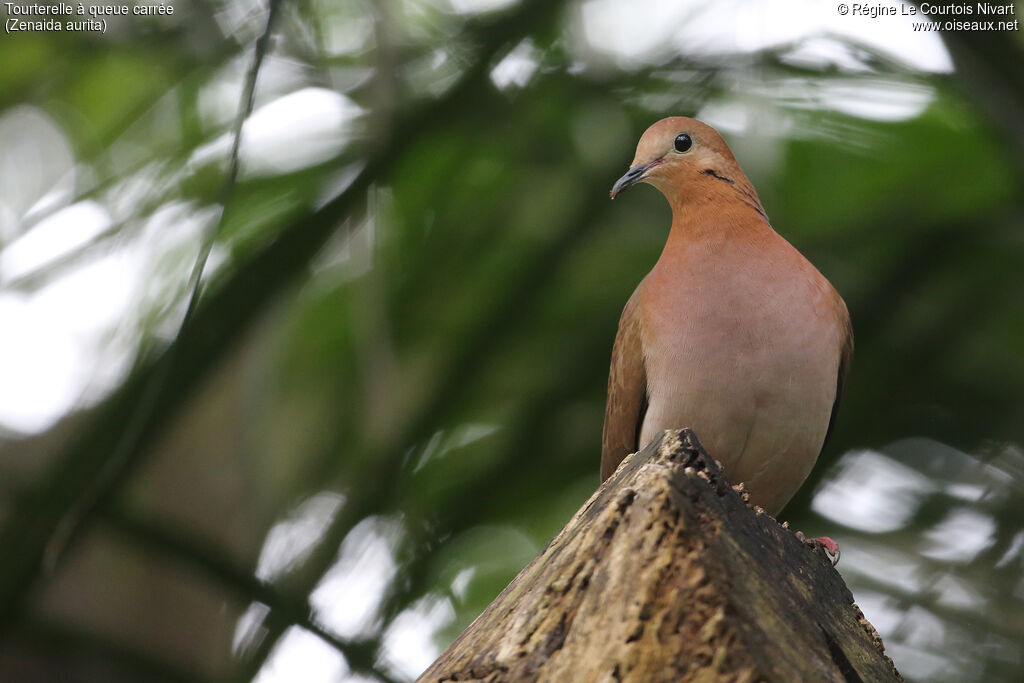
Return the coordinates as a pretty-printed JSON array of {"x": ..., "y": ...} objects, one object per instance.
[{"x": 676, "y": 153}]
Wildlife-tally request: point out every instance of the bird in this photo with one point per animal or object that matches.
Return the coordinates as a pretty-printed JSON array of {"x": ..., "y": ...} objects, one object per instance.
[{"x": 733, "y": 332}]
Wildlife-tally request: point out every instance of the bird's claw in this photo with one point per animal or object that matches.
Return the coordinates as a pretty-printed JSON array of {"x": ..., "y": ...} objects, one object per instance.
[{"x": 830, "y": 547}]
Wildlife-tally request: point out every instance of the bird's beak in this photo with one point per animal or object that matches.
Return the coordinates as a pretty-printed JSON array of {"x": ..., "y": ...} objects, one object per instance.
[{"x": 632, "y": 177}]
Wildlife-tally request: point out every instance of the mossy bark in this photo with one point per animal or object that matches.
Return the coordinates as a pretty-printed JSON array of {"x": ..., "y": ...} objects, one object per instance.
[{"x": 667, "y": 574}]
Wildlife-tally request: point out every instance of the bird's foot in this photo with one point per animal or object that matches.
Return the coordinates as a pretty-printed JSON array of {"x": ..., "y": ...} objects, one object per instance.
[{"x": 830, "y": 547}]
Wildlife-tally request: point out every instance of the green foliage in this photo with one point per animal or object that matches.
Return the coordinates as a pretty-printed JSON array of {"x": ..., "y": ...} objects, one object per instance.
[{"x": 420, "y": 325}]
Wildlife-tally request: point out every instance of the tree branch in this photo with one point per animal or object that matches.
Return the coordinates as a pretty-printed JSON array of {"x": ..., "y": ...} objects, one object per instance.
[{"x": 667, "y": 574}]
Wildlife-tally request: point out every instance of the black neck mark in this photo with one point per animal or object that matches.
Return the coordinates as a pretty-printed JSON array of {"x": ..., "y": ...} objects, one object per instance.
[
  {"x": 753, "y": 201},
  {"x": 711, "y": 172},
  {"x": 743, "y": 188}
]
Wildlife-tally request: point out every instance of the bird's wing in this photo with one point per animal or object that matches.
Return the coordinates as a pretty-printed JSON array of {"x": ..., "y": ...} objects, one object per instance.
[
  {"x": 845, "y": 358},
  {"x": 627, "y": 390}
]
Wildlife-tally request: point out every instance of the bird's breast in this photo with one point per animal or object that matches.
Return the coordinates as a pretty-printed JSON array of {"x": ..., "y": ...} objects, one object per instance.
[{"x": 744, "y": 348}]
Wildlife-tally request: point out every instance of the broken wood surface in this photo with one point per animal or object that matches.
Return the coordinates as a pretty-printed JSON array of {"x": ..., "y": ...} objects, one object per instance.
[{"x": 667, "y": 574}]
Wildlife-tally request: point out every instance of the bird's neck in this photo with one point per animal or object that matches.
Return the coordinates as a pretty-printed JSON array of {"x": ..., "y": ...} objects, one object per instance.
[{"x": 717, "y": 207}]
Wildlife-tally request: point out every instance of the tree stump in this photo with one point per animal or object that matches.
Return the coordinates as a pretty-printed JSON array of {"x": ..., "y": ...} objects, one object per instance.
[{"x": 667, "y": 574}]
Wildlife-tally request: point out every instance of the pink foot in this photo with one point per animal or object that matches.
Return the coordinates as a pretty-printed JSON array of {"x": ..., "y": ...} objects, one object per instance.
[{"x": 830, "y": 546}]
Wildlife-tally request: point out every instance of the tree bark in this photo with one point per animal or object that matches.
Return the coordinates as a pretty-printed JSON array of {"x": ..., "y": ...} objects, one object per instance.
[{"x": 667, "y": 574}]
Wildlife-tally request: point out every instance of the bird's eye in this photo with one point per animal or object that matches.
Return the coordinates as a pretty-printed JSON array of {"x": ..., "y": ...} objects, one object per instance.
[{"x": 683, "y": 142}]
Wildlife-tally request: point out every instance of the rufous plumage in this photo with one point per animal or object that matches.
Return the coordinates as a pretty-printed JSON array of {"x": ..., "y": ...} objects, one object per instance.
[{"x": 732, "y": 333}]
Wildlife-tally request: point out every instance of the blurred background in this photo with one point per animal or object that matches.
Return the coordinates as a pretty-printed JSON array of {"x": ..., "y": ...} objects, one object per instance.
[{"x": 389, "y": 396}]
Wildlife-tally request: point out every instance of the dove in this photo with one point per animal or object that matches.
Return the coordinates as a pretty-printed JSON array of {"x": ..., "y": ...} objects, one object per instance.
[{"x": 733, "y": 332}]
